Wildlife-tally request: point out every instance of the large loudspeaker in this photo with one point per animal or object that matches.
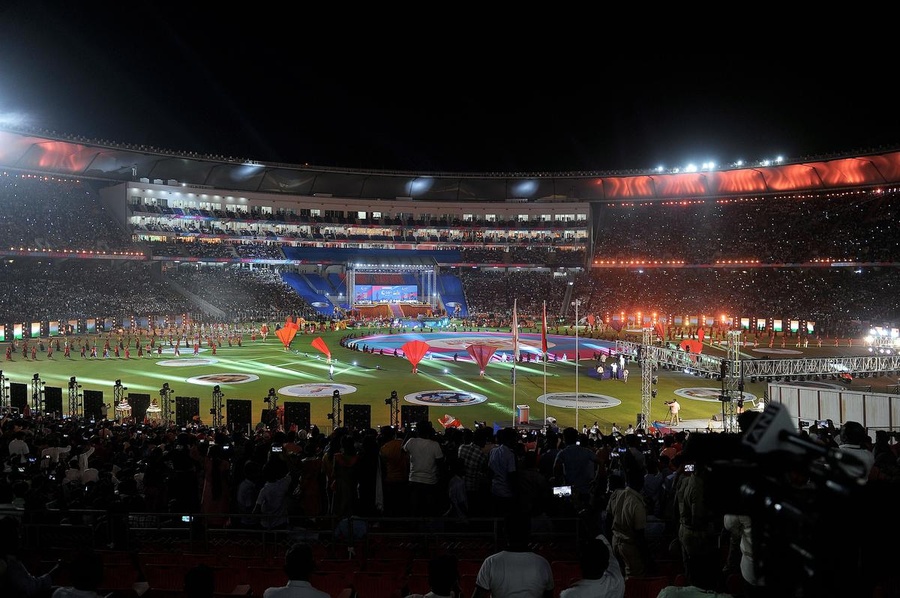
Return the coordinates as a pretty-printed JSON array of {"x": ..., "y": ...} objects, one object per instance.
[
  {"x": 18, "y": 395},
  {"x": 185, "y": 410},
  {"x": 53, "y": 400},
  {"x": 358, "y": 416},
  {"x": 413, "y": 414},
  {"x": 269, "y": 418},
  {"x": 93, "y": 403},
  {"x": 296, "y": 413},
  {"x": 237, "y": 413},
  {"x": 139, "y": 404}
]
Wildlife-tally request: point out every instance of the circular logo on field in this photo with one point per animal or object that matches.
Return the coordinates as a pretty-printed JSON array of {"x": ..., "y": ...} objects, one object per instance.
[
  {"x": 180, "y": 363},
  {"x": 445, "y": 398},
  {"x": 315, "y": 390},
  {"x": 212, "y": 379},
  {"x": 708, "y": 394},
  {"x": 776, "y": 351},
  {"x": 583, "y": 400}
]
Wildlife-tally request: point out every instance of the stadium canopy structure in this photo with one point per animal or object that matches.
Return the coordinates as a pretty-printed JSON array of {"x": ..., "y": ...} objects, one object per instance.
[{"x": 116, "y": 163}]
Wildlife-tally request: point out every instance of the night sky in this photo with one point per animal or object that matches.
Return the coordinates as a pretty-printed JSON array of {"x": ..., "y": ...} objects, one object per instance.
[{"x": 267, "y": 86}]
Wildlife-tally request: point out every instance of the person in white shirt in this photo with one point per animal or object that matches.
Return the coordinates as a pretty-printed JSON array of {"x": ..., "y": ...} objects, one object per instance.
[
  {"x": 854, "y": 441},
  {"x": 601, "y": 575},
  {"x": 516, "y": 570},
  {"x": 426, "y": 460},
  {"x": 18, "y": 445}
]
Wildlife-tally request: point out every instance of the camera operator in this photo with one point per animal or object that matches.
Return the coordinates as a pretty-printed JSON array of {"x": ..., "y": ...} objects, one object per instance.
[{"x": 674, "y": 407}]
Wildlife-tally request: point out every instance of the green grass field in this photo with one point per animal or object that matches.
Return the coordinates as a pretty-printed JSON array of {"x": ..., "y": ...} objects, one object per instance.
[{"x": 373, "y": 376}]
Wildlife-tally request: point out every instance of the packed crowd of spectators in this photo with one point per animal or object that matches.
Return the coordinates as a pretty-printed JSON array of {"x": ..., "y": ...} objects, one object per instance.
[
  {"x": 838, "y": 300},
  {"x": 242, "y": 293},
  {"x": 38, "y": 213},
  {"x": 854, "y": 226},
  {"x": 33, "y": 290},
  {"x": 657, "y": 496},
  {"x": 42, "y": 213}
]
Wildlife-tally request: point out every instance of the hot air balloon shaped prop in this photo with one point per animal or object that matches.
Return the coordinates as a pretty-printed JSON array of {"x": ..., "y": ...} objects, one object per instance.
[
  {"x": 287, "y": 332},
  {"x": 319, "y": 344},
  {"x": 692, "y": 346},
  {"x": 482, "y": 355},
  {"x": 415, "y": 351}
]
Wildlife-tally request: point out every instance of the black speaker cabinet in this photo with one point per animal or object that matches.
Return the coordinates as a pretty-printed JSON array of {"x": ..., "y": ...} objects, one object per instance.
[
  {"x": 358, "y": 417},
  {"x": 269, "y": 418},
  {"x": 18, "y": 395},
  {"x": 185, "y": 410},
  {"x": 413, "y": 414},
  {"x": 139, "y": 403},
  {"x": 296, "y": 413},
  {"x": 53, "y": 402},
  {"x": 93, "y": 402},
  {"x": 237, "y": 413}
]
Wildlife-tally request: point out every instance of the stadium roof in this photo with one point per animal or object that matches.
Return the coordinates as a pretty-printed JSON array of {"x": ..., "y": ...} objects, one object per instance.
[{"x": 111, "y": 163}]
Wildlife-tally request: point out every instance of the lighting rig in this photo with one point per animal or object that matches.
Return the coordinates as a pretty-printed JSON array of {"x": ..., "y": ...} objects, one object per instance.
[
  {"x": 118, "y": 392},
  {"x": 394, "y": 403},
  {"x": 37, "y": 394},
  {"x": 165, "y": 396},
  {"x": 216, "y": 411},
  {"x": 271, "y": 399},
  {"x": 74, "y": 395},
  {"x": 4, "y": 392},
  {"x": 335, "y": 415}
]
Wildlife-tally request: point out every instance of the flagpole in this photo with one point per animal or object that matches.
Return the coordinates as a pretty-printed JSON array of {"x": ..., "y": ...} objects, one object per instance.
[
  {"x": 515, "y": 337},
  {"x": 544, "y": 352}
]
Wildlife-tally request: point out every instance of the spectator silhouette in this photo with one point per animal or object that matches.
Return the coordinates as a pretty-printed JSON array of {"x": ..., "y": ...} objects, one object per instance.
[
  {"x": 298, "y": 565},
  {"x": 87, "y": 576}
]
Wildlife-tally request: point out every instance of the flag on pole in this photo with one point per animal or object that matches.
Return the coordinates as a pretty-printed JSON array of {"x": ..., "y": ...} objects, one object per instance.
[
  {"x": 515, "y": 332},
  {"x": 544, "y": 330}
]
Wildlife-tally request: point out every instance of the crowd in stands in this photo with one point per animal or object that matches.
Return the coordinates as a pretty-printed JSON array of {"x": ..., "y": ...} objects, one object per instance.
[
  {"x": 657, "y": 497},
  {"x": 854, "y": 226},
  {"x": 242, "y": 293},
  {"x": 37, "y": 212},
  {"x": 34, "y": 290}
]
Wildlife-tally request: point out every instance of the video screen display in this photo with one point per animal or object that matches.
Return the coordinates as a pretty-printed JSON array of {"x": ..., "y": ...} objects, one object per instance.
[
  {"x": 17, "y": 332},
  {"x": 2, "y": 332},
  {"x": 35, "y": 330},
  {"x": 760, "y": 323},
  {"x": 54, "y": 328},
  {"x": 91, "y": 325},
  {"x": 390, "y": 293}
]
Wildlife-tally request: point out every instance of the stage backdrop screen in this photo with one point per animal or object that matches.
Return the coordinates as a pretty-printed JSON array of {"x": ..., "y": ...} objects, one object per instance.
[{"x": 376, "y": 293}]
